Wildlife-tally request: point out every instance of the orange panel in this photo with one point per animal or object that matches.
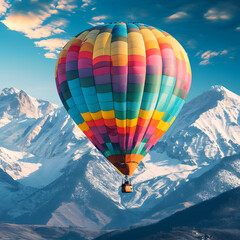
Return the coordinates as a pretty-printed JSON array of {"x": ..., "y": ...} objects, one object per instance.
[{"x": 126, "y": 164}]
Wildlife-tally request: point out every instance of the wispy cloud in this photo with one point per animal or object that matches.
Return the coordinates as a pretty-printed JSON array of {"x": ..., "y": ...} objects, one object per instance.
[
  {"x": 238, "y": 28},
  {"x": 50, "y": 55},
  {"x": 51, "y": 44},
  {"x": 4, "y": 6},
  {"x": 37, "y": 21},
  {"x": 86, "y": 3},
  {"x": 206, "y": 56},
  {"x": 67, "y": 5},
  {"x": 215, "y": 14},
  {"x": 31, "y": 24},
  {"x": 97, "y": 18},
  {"x": 177, "y": 16},
  {"x": 96, "y": 23},
  {"x": 93, "y": 9}
]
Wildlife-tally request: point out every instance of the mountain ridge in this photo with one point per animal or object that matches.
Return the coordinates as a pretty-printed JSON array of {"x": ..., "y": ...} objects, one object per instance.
[{"x": 42, "y": 150}]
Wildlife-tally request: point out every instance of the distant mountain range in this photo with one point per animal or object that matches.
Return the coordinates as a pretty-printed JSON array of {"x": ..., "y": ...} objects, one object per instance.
[
  {"x": 217, "y": 218},
  {"x": 53, "y": 175},
  {"x": 214, "y": 219}
]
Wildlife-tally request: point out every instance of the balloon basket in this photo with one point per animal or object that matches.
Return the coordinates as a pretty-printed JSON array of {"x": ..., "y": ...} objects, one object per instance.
[{"x": 126, "y": 185}]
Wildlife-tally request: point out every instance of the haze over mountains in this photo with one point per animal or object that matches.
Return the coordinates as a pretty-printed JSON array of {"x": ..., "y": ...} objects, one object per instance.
[{"x": 51, "y": 174}]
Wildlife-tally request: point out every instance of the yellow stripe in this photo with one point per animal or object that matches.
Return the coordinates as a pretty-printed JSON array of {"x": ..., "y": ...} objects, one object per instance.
[
  {"x": 164, "y": 125},
  {"x": 86, "y": 116},
  {"x": 126, "y": 122},
  {"x": 97, "y": 115},
  {"x": 121, "y": 123},
  {"x": 83, "y": 126},
  {"x": 132, "y": 122},
  {"x": 108, "y": 114},
  {"x": 157, "y": 115},
  {"x": 136, "y": 44},
  {"x": 102, "y": 40},
  {"x": 100, "y": 52},
  {"x": 119, "y": 51},
  {"x": 145, "y": 114}
]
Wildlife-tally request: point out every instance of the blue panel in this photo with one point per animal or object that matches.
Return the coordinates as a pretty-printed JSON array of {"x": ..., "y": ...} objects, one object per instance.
[{"x": 105, "y": 97}]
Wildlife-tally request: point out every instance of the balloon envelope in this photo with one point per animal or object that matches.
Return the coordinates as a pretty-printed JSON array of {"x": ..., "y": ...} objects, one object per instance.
[{"x": 123, "y": 84}]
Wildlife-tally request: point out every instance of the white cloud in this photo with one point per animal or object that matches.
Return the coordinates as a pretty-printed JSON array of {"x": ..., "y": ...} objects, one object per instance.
[
  {"x": 177, "y": 15},
  {"x": 215, "y": 14},
  {"x": 224, "y": 52},
  {"x": 66, "y": 5},
  {"x": 4, "y": 5},
  {"x": 50, "y": 55},
  {"x": 51, "y": 44},
  {"x": 198, "y": 53},
  {"x": 86, "y": 3},
  {"x": 209, "y": 54},
  {"x": 93, "y": 9},
  {"x": 204, "y": 62},
  {"x": 97, "y": 18},
  {"x": 96, "y": 23},
  {"x": 32, "y": 24},
  {"x": 238, "y": 28},
  {"x": 206, "y": 56}
]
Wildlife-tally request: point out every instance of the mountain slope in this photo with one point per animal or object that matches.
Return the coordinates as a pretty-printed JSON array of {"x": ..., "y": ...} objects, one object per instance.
[
  {"x": 45, "y": 151},
  {"x": 222, "y": 212},
  {"x": 11, "y": 192},
  {"x": 26, "y": 232},
  {"x": 221, "y": 178}
]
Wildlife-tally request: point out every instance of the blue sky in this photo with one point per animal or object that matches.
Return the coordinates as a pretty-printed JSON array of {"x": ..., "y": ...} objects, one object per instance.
[{"x": 32, "y": 33}]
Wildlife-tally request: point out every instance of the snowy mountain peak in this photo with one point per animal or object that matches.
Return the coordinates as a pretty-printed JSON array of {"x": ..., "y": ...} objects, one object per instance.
[
  {"x": 9, "y": 91},
  {"x": 15, "y": 104},
  {"x": 224, "y": 92}
]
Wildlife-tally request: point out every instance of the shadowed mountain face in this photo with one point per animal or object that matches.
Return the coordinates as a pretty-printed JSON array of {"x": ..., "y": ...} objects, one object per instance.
[
  {"x": 222, "y": 177},
  {"x": 62, "y": 180},
  {"x": 210, "y": 218},
  {"x": 26, "y": 232}
]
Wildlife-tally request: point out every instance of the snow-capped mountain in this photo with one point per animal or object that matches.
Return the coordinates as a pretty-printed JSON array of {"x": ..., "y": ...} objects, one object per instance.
[
  {"x": 206, "y": 128},
  {"x": 16, "y": 104},
  {"x": 222, "y": 177},
  {"x": 44, "y": 149}
]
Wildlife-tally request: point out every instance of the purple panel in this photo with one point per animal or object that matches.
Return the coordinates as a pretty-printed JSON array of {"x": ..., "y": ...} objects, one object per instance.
[
  {"x": 102, "y": 79},
  {"x": 84, "y": 63},
  {"x": 136, "y": 78},
  {"x": 70, "y": 66},
  {"x": 85, "y": 72},
  {"x": 102, "y": 64},
  {"x": 119, "y": 87}
]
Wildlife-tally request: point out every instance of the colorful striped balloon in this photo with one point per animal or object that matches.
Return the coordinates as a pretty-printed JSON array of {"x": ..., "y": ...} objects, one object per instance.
[{"x": 123, "y": 84}]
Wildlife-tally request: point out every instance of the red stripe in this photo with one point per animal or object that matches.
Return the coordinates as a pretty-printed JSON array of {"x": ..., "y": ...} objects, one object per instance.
[
  {"x": 136, "y": 58},
  {"x": 103, "y": 58},
  {"x": 85, "y": 54},
  {"x": 153, "y": 51},
  {"x": 74, "y": 48},
  {"x": 164, "y": 45}
]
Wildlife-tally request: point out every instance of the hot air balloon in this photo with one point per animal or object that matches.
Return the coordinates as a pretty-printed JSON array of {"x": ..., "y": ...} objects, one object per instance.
[{"x": 123, "y": 84}]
